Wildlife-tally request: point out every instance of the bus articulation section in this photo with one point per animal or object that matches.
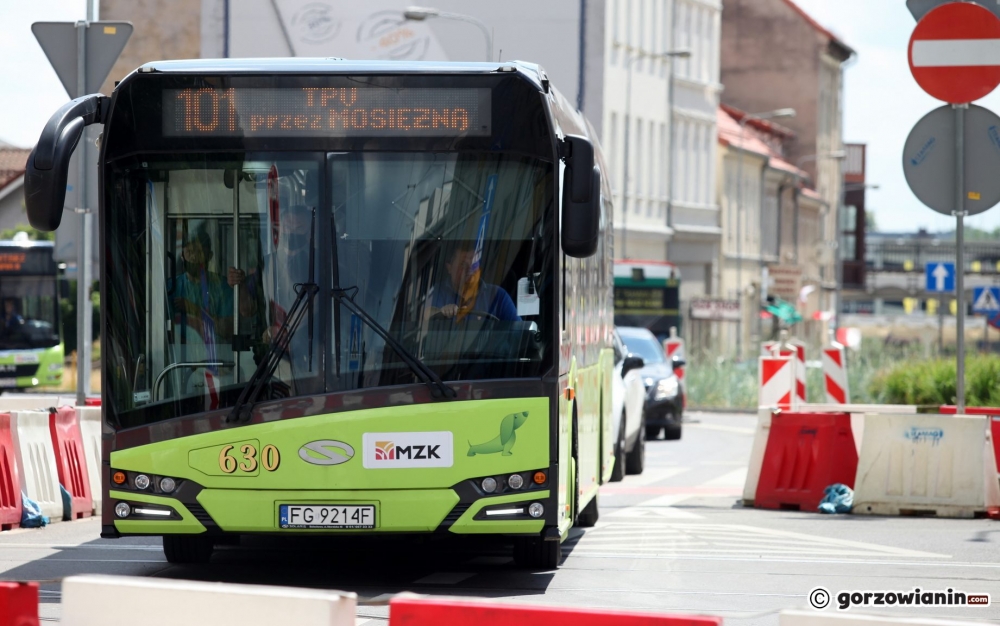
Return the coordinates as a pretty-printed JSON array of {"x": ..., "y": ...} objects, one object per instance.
[{"x": 348, "y": 298}]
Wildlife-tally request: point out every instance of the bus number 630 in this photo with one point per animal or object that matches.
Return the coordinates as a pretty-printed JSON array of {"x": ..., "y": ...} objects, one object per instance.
[{"x": 269, "y": 458}]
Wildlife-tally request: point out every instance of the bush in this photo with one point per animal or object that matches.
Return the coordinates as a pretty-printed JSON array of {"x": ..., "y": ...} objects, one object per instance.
[{"x": 932, "y": 383}]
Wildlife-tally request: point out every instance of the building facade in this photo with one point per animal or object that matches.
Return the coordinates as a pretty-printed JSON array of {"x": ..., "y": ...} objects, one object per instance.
[
  {"x": 694, "y": 205},
  {"x": 771, "y": 224},
  {"x": 775, "y": 56}
]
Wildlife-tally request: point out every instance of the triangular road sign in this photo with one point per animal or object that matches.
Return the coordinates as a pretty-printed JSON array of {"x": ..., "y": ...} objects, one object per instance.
[
  {"x": 105, "y": 41},
  {"x": 986, "y": 301}
]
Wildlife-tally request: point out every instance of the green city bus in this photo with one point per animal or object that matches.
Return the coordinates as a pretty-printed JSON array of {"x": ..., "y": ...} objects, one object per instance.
[
  {"x": 31, "y": 350},
  {"x": 346, "y": 298}
]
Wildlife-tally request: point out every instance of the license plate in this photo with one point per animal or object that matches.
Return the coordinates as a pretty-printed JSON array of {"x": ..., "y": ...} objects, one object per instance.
[{"x": 326, "y": 516}]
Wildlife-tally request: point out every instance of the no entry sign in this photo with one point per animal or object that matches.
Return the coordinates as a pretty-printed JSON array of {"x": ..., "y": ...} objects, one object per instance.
[{"x": 955, "y": 52}]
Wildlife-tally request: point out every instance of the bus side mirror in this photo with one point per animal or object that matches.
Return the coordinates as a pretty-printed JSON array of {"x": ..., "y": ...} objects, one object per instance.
[
  {"x": 47, "y": 169},
  {"x": 581, "y": 210}
]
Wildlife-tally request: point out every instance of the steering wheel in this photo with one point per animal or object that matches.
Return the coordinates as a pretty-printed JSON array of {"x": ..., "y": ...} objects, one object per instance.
[{"x": 438, "y": 316}]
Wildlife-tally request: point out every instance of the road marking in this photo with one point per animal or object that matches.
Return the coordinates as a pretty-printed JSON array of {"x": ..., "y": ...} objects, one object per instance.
[
  {"x": 740, "y": 430},
  {"x": 666, "y": 512},
  {"x": 667, "y": 538},
  {"x": 59, "y": 546},
  {"x": 735, "y": 478},
  {"x": 653, "y": 475},
  {"x": 444, "y": 578}
]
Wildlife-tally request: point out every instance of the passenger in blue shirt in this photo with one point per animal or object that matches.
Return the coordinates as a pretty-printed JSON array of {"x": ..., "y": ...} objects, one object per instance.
[{"x": 447, "y": 298}]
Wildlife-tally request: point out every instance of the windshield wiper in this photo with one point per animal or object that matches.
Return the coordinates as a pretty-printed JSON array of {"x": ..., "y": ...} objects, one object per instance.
[
  {"x": 438, "y": 388},
  {"x": 279, "y": 343}
]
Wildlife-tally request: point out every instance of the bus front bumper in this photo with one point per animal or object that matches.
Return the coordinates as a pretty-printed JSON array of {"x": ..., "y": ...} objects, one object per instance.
[{"x": 237, "y": 511}]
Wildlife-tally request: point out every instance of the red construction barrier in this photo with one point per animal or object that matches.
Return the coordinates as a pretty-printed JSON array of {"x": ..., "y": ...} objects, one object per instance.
[
  {"x": 67, "y": 441},
  {"x": 417, "y": 611},
  {"x": 994, "y": 423},
  {"x": 18, "y": 604},
  {"x": 805, "y": 454},
  {"x": 10, "y": 481}
]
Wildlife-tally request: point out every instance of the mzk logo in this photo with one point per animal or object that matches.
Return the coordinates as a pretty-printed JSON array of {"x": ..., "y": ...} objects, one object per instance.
[
  {"x": 504, "y": 442},
  {"x": 408, "y": 450},
  {"x": 389, "y": 451}
]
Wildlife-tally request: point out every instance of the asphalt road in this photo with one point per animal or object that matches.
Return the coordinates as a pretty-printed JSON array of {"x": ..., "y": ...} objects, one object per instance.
[{"x": 674, "y": 539}]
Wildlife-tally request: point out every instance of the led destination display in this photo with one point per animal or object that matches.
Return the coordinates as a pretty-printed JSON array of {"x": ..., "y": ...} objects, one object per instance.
[{"x": 326, "y": 112}]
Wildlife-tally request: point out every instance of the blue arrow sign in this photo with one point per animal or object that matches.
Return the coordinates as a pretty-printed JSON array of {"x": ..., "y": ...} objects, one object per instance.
[
  {"x": 940, "y": 277},
  {"x": 986, "y": 301}
]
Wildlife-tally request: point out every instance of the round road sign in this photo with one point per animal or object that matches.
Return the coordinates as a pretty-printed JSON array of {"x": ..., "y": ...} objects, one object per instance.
[
  {"x": 955, "y": 52},
  {"x": 929, "y": 160}
]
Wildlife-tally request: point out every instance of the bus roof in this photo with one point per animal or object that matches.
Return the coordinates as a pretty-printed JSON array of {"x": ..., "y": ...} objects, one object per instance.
[{"x": 531, "y": 71}]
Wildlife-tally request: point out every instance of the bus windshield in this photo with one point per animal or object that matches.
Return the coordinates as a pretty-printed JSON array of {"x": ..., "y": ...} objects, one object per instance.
[
  {"x": 448, "y": 252},
  {"x": 30, "y": 309}
]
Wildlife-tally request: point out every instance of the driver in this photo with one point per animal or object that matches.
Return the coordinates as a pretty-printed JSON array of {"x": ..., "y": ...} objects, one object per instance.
[{"x": 462, "y": 290}]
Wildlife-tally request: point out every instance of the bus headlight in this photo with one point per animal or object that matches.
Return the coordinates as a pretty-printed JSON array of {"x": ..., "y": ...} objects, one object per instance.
[
  {"x": 666, "y": 388},
  {"x": 536, "y": 509},
  {"x": 122, "y": 509},
  {"x": 55, "y": 367},
  {"x": 489, "y": 484},
  {"x": 167, "y": 484},
  {"x": 142, "y": 481},
  {"x": 515, "y": 481}
]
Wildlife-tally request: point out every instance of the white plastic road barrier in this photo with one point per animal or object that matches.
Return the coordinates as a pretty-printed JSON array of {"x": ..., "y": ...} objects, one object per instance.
[
  {"x": 89, "y": 418},
  {"x": 776, "y": 382},
  {"x": 942, "y": 465},
  {"x": 36, "y": 460},
  {"x": 161, "y": 602},
  {"x": 757, "y": 454},
  {"x": 830, "y": 618},
  {"x": 768, "y": 347},
  {"x": 835, "y": 375},
  {"x": 28, "y": 403},
  {"x": 858, "y": 412}
]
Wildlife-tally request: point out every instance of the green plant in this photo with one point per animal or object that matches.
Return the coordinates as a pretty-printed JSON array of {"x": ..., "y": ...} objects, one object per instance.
[{"x": 33, "y": 234}]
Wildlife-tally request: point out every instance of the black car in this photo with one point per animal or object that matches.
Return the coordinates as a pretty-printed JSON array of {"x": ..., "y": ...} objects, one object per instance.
[{"x": 664, "y": 391}]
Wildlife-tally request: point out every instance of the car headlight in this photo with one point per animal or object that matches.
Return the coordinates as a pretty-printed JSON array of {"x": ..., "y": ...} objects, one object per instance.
[
  {"x": 666, "y": 388},
  {"x": 648, "y": 382}
]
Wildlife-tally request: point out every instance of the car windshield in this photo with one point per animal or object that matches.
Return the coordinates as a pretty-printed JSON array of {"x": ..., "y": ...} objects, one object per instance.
[
  {"x": 643, "y": 343},
  {"x": 448, "y": 252}
]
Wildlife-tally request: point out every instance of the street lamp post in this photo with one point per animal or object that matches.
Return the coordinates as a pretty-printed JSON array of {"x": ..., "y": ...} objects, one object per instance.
[
  {"x": 419, "y": 14},
  {"x": 769, "y": 115},
  {"x": 631, "y": 55}
]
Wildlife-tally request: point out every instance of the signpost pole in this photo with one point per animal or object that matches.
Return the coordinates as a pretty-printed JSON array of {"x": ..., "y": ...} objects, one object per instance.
[
  {"x": 83, "y": 311},
  {"x": 960, "y": 110}
]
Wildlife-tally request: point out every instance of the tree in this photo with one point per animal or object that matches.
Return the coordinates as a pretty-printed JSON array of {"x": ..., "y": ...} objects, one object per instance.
[{"x": 33, "y": 234}]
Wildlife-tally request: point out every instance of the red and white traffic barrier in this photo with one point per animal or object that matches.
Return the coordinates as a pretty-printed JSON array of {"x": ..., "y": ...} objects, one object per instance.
[
  {"x": 18, "y": 604},
  {"x": 85, "y": 602},
  {"x": 36, "y": 462},
  {"x": 768, "y": 347},
  {"x": 797, "y": 351},
  {"x": 10, "y": 478},
  {"x": 411, "y": 610},
  {"x": 673, "y": 346},
  {"x": 835, "y": 375},
  {"x": 776, "y": 383}
]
